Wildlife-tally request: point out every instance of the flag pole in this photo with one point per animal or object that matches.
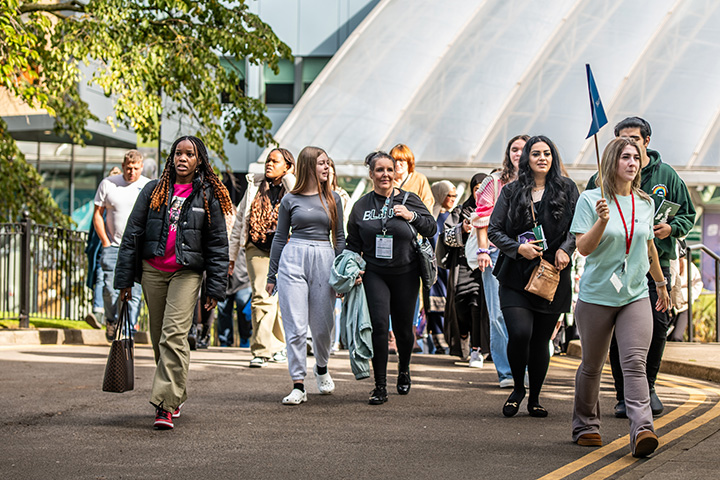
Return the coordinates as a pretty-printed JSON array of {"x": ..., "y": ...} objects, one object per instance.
[{"x": 599, "y": 177}]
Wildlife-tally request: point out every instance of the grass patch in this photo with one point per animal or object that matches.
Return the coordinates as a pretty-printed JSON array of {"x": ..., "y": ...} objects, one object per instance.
[{"x": 46, "y": 323}]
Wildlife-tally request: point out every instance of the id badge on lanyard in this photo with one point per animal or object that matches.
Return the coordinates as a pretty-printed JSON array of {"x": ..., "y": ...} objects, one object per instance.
[
  {"x": 383, "y": 241},
  {"x": 384, "y": 246}
]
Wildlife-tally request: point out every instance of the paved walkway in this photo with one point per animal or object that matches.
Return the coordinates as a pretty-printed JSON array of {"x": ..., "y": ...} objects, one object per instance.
[{"x": 58, "y": 424}]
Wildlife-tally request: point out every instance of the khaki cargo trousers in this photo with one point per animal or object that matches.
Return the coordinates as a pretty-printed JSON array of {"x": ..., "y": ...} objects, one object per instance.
[{"x": 171, "y": 298}]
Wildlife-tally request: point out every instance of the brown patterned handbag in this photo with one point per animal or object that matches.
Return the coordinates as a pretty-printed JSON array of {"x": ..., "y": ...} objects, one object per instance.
[{"x": 120, "y": 368}]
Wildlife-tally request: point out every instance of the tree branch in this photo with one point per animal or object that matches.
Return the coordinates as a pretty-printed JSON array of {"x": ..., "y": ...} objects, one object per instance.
[{"x": 72, "y": 6}]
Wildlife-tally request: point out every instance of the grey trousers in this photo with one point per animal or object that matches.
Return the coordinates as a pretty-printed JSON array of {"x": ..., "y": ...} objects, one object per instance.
[
  {"x": 633, "y": 325},
  {"x": 171, "y": 298},
  {"x": 306, "y": 300}
]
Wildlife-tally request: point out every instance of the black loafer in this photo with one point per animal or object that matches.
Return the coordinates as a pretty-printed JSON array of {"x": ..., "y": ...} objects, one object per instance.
[
  {"x": 378, "y": 396},
  {"x": 537, "y": 410},
  {"x": 403, "y": 383},
  {"x": 511, "y": 407}
]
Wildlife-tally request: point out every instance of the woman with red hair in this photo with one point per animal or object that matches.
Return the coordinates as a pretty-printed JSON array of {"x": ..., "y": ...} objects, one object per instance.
[{"x": 406, "y": 178}]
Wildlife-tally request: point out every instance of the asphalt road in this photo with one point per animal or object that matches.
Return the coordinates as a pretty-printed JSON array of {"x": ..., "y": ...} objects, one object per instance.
[{"x": 57, "y": 423}]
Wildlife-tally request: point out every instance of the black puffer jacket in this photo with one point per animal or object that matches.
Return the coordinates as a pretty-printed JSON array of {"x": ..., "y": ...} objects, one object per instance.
[{"x": 200, "y": 245}]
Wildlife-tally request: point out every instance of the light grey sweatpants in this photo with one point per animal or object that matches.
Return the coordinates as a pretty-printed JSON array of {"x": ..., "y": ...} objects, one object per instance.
[
  {"x": 306, "y": 299},
  {"x": 633, "y": 325}
]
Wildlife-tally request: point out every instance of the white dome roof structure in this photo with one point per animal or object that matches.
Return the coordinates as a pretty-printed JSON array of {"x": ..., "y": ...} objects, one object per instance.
[{"x": 454, "y": 80}]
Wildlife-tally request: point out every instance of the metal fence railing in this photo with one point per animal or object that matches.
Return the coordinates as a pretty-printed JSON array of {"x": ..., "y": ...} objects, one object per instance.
[
  {"x": 42, "y": 272},
  {"x": 716, "y": 258}
]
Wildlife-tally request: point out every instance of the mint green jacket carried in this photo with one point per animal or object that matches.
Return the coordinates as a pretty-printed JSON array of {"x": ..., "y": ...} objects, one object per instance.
[
  {"x": 660, "y": 181},
  {"x": 355, "y": 326}
]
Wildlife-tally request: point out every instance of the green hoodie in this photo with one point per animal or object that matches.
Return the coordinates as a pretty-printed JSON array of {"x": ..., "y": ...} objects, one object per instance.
[{"x": 660, "y": 180}]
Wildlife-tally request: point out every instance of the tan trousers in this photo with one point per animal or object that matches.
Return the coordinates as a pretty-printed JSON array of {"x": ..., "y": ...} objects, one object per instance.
[
  {"x": 171, "y": 298},
  {"x": 268, "y": 337}
]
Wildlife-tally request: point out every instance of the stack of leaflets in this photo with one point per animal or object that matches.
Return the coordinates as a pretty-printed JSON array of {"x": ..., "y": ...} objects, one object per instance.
[{"x": 665, "y": 210}]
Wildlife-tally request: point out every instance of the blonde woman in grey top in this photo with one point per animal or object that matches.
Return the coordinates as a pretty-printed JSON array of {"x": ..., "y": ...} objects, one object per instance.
[{"x": 300, "y": 268}]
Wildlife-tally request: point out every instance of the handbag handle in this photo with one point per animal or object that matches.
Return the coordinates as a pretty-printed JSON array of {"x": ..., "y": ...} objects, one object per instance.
[{"x": 124, "y": 314}]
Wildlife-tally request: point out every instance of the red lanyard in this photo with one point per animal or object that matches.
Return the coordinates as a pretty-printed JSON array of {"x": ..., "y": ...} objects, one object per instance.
[{"x": 628, "y": 238}]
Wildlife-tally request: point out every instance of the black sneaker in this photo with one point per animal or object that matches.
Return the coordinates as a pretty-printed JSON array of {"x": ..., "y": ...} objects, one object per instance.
[
  {"x": 656, "y": 405},
  {"x": 110, "y": 331},
  {"x": 620, "y": 409},
  {"x": 378, "y": 396}
]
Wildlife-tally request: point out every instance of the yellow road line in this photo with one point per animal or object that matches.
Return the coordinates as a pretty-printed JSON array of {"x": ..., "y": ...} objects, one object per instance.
[
  {"x": 696, "y": 398},
  {"x": 671, "y": 436}
]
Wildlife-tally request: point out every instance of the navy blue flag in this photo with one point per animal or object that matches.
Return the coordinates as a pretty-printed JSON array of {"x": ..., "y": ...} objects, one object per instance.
[{"x": 598, "y": 112}]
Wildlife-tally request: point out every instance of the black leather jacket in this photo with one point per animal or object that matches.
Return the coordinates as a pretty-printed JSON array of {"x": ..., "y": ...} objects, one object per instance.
[{"x": 200, "y": 245}]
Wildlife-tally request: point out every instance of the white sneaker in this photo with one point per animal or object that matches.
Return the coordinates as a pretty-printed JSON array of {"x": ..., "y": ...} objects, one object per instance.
[
  {"x": 507, "y": 383},
  {"x": 296, "y": 397},
  {"x": 476, "y": 359},
  {"x": 324, "y": 383}
]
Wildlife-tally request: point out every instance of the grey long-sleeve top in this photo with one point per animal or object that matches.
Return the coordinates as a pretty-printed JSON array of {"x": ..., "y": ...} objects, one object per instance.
[{"x": 309, "y": 220}]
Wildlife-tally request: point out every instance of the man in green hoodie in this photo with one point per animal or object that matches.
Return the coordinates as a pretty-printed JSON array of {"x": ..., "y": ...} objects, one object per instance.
[{"x": 661, "y": 182}]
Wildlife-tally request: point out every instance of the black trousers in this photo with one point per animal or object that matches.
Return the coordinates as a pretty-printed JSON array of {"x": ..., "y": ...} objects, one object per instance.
[
  {"x": 528, "y": 347},
  {"x": 473, "y": 318},
  {"x": 391, "y": 296},
  {"x": 661, "y": 323}
]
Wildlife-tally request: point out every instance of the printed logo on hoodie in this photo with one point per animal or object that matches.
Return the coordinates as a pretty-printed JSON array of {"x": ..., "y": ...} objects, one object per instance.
[{"x": 660, "y": 190}]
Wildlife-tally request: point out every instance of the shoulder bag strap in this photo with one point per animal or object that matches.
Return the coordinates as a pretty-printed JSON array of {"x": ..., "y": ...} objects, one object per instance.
[
  {"x": 405, "y": 197},
  {"x": 532, "y": 210}
]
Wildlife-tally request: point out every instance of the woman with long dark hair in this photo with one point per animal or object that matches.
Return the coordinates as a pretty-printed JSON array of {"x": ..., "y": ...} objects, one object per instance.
[
  {"x": 254, "y": 229},
  {"x": 382, "y": 228},
  {"x": 487, "y": 254},
  {"x": 177, "y": 233},
  {"x": 615, "y": 232},
  {"x": 531, "y": 220},
  {"x": 301, "y": 268}
]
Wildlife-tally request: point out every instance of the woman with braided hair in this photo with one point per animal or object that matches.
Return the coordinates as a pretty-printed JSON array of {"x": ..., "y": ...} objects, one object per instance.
[
  {"x": 175, "y": 234},
  {"x": 254, "y": 229}
]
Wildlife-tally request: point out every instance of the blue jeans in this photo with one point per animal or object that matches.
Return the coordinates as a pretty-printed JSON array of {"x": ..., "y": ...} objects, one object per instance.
[
  {"x": 98, "y": 303},
  {"x": 226, "y": 308},
  {"x": 498, "y": 330},
  {"x": 108, "y": 259}
]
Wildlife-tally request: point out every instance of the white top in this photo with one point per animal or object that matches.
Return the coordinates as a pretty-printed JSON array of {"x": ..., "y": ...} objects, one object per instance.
[{"x": 118, "y": 197}]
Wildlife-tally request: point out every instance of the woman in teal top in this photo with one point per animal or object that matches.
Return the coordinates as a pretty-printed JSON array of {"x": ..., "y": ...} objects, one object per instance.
[{"x": 616, "y": 236}]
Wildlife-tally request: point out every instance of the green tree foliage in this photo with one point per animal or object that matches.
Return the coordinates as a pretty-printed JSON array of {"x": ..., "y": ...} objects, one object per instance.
[{"x": 136, "y": 49}]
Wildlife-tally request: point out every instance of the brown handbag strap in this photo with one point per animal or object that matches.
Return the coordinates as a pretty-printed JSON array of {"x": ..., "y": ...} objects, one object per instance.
[{"x": 532, "y": 210}]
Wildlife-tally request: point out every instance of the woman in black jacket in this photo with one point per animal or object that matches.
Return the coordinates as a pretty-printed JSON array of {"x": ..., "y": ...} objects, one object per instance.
[
  {"x": 382, "y": 227},
  {"x": 542, "y": 191},
  {"x": 176, "y": 232},
  {"x": 467, "y": 325}
]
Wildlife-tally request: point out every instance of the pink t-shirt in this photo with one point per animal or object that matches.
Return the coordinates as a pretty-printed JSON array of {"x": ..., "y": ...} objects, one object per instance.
[{"x": 168, "y": 262}]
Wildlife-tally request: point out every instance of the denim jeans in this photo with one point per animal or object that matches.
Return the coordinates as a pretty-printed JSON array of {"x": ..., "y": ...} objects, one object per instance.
[
  {"x": 226, "y": 308},
  {"x": 98, "y": 302},
  {"x": 498, "y": 330},
  {"x": 108, "y": 259}
]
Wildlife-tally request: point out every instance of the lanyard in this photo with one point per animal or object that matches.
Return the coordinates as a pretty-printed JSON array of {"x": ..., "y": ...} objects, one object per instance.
[
  {"x": 628, "y": 238},
  {"x": 384, "y": 219}
]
